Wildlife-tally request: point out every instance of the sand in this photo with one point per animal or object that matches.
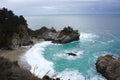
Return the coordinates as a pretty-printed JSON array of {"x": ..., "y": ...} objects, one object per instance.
[{"x": 18, "y": 55}]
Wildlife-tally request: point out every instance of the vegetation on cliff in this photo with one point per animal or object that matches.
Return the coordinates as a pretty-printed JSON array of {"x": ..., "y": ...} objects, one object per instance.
[
  {"x": 11, "y": 24},
  {"x": 12, "y": 71}
]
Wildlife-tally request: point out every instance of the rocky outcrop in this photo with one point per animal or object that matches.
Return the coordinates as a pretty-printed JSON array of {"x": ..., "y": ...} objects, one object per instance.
[
  {"x": 64, "y": 36},
  {"x": 50, "y": 34},
  {"x": 109, "y": 67},
  {"x": 67, "y": 35}
]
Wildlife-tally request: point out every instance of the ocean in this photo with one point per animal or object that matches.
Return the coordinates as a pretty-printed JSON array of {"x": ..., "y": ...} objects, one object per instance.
[{"x": 99, "y": 36}]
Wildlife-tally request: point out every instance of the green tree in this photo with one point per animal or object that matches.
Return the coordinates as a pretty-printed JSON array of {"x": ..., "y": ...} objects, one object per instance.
[{"x": 9, "y": 24}]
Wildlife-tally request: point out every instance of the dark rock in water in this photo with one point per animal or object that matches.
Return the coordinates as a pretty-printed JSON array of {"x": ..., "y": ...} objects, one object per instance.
[
  {"x": 57, "y": 78},
  {"x": 109, "y": 67},
  {"x": 71, "y": 54}
]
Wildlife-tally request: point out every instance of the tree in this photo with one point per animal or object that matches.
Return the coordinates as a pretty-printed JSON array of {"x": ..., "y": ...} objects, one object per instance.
[
  {"x": 9, "y": 24},
  {"x": 22, "y": 20}
]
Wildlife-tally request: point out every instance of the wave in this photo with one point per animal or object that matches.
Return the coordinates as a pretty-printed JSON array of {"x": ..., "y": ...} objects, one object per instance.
[
  {"x": 71, "y": 75},
  {"x": 76, "y": 75},
  {"x": 39, "y": 65},
  {"x": 88, "y": 37}
]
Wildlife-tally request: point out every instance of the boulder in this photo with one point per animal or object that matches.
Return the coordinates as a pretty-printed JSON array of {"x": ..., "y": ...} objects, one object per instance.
[{"x": 109, "y": 67}]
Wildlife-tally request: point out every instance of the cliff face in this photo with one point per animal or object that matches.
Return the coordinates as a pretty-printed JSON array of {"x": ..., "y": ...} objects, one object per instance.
[
  {"x": 13, "y": 29},
  {"x": 18, "y": 39},
  {"x": 109, "y": 67}
]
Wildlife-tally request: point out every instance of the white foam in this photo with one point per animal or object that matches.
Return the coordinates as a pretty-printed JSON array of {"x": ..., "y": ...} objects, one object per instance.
[
  {"x": 71, "y": 75},
  {"x": 97, "y": 78},
  {"x": 34, "y": 57},
  {"x": 88, "y": 37},
  {"x": 63, "y": 55}
]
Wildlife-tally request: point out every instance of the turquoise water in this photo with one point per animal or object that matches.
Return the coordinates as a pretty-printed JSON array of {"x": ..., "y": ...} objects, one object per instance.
[
  {"x": 88, "y": 49},
  {"x": 99, "y": 36}
]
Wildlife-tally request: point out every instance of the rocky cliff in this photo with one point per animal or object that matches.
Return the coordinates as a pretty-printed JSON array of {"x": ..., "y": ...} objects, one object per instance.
[{"x": 109, "y": 67}]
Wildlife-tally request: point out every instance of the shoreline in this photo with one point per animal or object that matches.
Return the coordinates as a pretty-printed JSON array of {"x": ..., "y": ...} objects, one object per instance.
[
  {"x": 16, "y": 55},
  {"x": 19, "y": 55}
]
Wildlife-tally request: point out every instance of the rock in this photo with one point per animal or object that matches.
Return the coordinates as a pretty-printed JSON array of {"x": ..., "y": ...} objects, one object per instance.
[
  {"x": 71, "y": 54},
  {"x": 49, "y": 36},
  {"x": 21, "y": 38},
  {"x": 27, "y": 43},
  {"x": 64, "y": 36},
  {"x": 109, "y": 67}
]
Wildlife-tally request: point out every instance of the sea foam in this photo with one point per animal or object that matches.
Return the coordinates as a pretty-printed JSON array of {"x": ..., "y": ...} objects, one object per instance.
[
  {"x": 39, "y": 65},
  {"x": 71, "y": 75},
  {"x": 88, "y": 37}
]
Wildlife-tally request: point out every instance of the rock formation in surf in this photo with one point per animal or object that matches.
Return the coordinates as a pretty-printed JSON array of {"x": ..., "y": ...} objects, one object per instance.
[
  {"x": 64, "y": 36},
  {"x": 109, "y": 67}
]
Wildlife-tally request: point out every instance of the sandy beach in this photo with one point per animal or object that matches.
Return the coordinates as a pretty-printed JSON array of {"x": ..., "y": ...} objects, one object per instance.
[{"x": 18, "y": 55}]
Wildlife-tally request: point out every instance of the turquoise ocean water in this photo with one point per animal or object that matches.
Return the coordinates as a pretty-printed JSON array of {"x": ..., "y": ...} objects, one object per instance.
[{"x": 99, "y": 36}]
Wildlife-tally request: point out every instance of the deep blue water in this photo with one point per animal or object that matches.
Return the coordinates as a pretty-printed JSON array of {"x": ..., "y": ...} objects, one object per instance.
[{"x": 99, "y": 36}]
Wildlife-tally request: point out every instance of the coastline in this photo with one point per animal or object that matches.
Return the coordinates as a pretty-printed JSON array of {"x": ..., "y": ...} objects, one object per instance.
[
  {"x": 19, "y": 55},
  {"x": 16, "y": 55}
]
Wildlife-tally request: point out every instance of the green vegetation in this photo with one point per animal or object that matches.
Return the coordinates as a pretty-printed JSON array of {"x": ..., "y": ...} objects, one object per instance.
[
  {"x": 68, "y": 30},
  {"x": 40, "y": 31},
  {"x": 9, "y": 24},
  {"x": 12, "y": 71}
]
